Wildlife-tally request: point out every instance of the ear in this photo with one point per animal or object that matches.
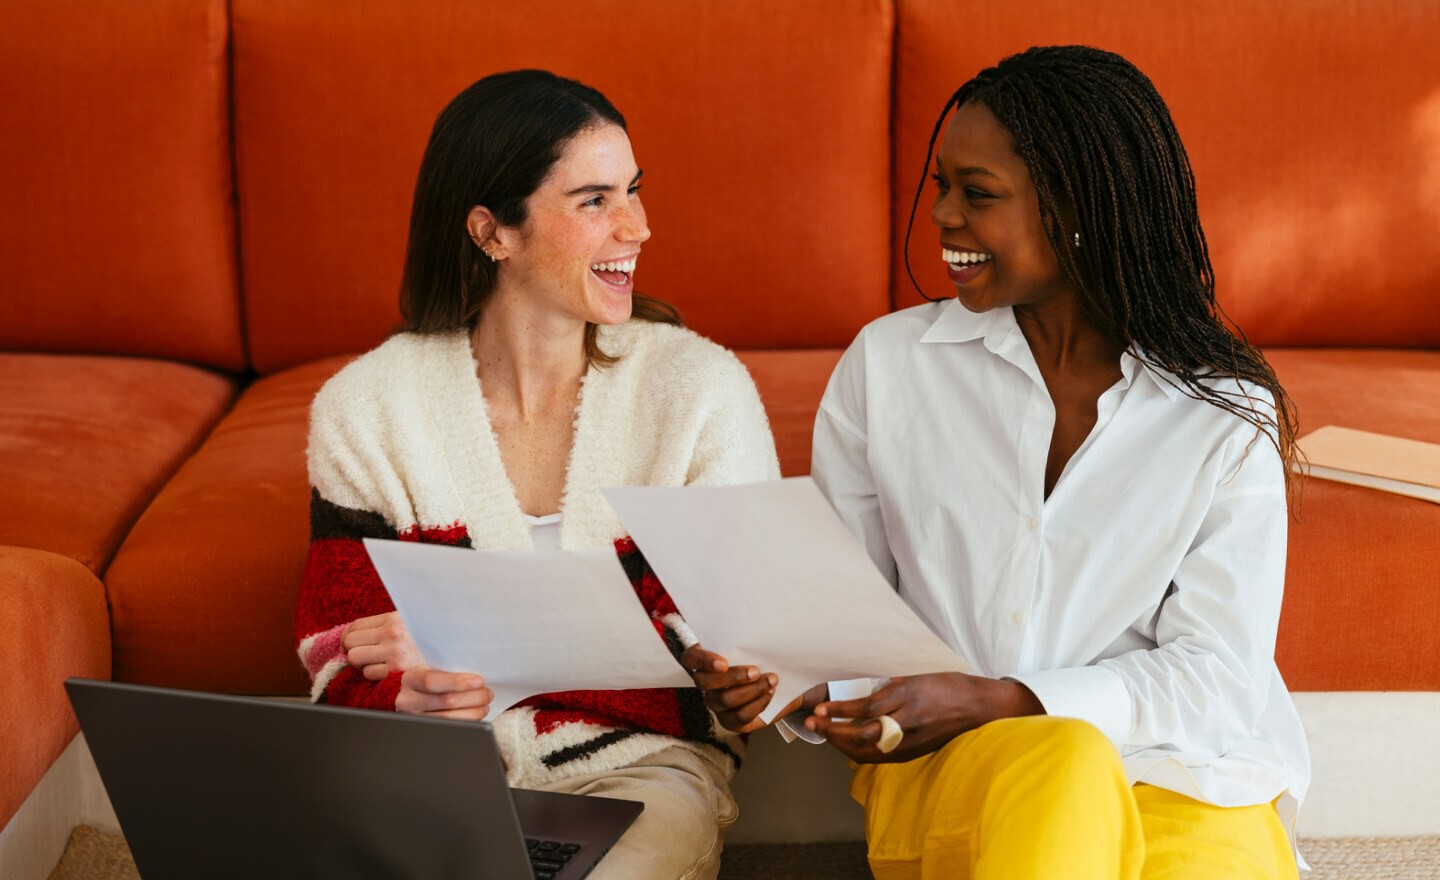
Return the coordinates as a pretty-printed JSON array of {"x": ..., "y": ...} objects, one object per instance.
[{"x": 482, "y": 228}]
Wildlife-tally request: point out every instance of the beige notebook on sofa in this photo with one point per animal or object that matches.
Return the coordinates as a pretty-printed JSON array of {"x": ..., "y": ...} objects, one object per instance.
[{"x": 1379, "y": 461}]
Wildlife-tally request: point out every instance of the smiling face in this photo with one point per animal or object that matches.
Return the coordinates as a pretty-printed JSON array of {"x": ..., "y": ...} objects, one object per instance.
[
  {"x": 575, "y": 255},
  {"x": 992, "y": 237}
]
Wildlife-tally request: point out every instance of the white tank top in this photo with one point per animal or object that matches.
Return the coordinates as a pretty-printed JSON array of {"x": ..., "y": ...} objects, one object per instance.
[{"x": 544, "y": 531}]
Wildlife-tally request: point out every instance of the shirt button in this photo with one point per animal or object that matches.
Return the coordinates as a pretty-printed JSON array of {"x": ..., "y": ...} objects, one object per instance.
[
  {"x": 1017, "y": 618},
  {"x": 1031, "y": 523}
]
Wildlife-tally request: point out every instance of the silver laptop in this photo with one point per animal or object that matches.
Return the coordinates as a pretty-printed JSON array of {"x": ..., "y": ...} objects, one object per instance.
[{"x": 207, "y": 785}]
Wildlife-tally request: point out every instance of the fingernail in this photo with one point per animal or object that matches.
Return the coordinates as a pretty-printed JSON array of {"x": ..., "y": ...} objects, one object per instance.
[
  {"x": 774, "y": 680},
  {"x": 822, "y": 711},
  {"x": 752, "y": 673}
]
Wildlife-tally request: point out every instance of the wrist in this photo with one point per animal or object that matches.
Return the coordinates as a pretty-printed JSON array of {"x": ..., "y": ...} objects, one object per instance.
[{"x": 1017, "y": 700}]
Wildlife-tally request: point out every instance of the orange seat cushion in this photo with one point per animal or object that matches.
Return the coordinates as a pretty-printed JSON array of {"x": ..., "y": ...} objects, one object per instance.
[
  {"x": 86, "y": 442},
  {"x": 202, "y": 595},
  {"x": 1313, "y": 129},
  {"x": 1361, "y": 604},
  {"x": 764, "y": 139},
  {"x": 52, "y": 626},
  {"x": 118, "y": 235}
]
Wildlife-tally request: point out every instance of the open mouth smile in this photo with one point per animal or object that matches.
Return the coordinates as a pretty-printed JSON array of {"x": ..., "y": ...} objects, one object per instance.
[
  {"x": 963, "y": 266},
  {"x": 616, "y": 273}
]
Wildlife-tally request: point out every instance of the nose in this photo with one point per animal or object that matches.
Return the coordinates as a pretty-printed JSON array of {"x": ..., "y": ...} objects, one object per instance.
[
  {"x": 946, "y": 213},
  {"x": 632, "y": 226}
]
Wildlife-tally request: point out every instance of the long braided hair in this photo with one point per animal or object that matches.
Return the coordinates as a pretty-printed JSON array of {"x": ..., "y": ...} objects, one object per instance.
[{"x": 1101, "y": 147}]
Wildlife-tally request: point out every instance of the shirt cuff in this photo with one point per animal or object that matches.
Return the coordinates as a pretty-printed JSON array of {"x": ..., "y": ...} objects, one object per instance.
[
  {"x": 1089, "y": 693},
  {"x": 681, "y": 630}
]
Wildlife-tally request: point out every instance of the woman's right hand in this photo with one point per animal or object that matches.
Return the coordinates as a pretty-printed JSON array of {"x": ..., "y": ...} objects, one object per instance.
[
  {"x": 380, "y": 645},
  {"x": 461, "y": 695}
]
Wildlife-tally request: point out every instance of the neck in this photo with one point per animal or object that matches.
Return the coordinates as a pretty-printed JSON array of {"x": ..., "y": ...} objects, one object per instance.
[
  {"x": 533, "y": 361},
  {"x": 1062, "y": 336}
]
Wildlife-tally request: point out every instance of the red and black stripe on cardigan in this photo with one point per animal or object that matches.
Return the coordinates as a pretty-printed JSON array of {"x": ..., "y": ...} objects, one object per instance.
[{"x": 340, "y": 585}]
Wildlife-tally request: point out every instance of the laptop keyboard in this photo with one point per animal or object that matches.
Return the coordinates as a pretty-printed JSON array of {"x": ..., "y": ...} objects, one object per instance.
[{"x": 549, "y": 857}]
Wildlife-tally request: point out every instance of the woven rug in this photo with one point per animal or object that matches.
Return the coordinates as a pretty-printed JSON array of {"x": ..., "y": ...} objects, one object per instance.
[{"x": 94, "y": 855}]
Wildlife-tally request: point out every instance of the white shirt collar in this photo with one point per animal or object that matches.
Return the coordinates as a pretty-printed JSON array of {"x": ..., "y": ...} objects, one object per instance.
[{"x": 955, "y": 323}]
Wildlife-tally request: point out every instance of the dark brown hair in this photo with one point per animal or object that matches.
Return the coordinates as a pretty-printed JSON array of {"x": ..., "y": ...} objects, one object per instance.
[
  {"x": 493, "y": 145},
  {"x": 1101, "y": 148}
]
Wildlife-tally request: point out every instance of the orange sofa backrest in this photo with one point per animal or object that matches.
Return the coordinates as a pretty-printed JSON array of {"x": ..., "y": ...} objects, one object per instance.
[
  {"x": 764, "y": 139},
  {"x": 117, "y": 235},
  {"x": 1313, "y": 128}
]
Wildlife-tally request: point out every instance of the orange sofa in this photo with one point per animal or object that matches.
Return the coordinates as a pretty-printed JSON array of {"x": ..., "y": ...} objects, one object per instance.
[{"x": 204, "y": 209}]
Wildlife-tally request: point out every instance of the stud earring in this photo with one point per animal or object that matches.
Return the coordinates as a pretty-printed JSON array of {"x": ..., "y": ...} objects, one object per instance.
[
  {"x": 1077, "y": 240},
  {"x": 490, "y": 255}
]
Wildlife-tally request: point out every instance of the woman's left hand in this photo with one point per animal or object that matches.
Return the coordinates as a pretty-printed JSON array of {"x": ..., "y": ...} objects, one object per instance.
[
  {"x": 930, "y": 709},
  {"x": 736, "y": 694}
]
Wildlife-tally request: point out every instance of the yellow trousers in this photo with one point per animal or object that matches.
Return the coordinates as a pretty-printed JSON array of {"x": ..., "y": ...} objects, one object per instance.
[{"x": 1047, "y": 797}]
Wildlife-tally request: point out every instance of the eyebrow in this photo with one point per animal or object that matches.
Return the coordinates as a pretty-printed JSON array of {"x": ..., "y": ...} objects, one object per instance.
[
  {"x": 603, "y": 187},
  {"x": 969, "y": 169}
]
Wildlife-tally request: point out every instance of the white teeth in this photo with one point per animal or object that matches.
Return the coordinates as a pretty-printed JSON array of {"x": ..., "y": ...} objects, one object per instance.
[
  {"x": 626, "y": 266},
  {"x": 962, "y": 257}
]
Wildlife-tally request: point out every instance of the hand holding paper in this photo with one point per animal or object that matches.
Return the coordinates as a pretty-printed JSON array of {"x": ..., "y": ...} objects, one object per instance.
[
  {"x": 529, "y": 622},
  {"x": 766, "y": 574}
]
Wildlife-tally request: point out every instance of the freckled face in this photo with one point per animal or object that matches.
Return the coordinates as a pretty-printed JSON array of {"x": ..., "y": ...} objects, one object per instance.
[
  {"x": 991, "y": 234},
  {"x": 575, "y": 256}
]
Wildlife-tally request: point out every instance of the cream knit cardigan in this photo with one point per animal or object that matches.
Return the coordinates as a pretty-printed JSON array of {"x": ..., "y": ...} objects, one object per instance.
[{"x": 403, "y": 432}]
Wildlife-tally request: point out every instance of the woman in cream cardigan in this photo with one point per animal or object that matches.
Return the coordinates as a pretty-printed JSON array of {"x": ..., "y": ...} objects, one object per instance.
[{"x": 529, "y": 374}]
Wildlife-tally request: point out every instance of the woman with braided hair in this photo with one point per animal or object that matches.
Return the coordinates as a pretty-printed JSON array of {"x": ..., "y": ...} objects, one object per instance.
[{"x": 1078, "y": 475}]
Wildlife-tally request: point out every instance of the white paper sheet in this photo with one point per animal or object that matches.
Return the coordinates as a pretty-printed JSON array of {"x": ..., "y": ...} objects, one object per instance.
[
  {"x": 768, "y": 575},
  {"x": 529, "y": 622}
]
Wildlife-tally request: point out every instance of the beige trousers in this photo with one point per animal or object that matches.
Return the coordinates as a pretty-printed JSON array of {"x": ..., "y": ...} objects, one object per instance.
[{"x": 681, "y": 831}]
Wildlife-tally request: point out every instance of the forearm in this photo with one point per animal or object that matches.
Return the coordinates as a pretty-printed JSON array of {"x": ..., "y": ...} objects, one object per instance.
[
  {"x": 653, "y": 598},
  {"x": 1207, "y": 679},
  {"x": 338, "y": 587}
]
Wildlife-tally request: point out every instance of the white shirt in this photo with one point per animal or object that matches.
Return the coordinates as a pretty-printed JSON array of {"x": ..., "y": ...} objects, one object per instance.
[{"x": 1142, "y": 596}]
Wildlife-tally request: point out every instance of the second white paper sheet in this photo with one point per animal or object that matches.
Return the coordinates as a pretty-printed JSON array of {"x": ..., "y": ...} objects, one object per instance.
[
  {"x": 767, "y": 574},
  {"x": 529, "y": 622}
]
